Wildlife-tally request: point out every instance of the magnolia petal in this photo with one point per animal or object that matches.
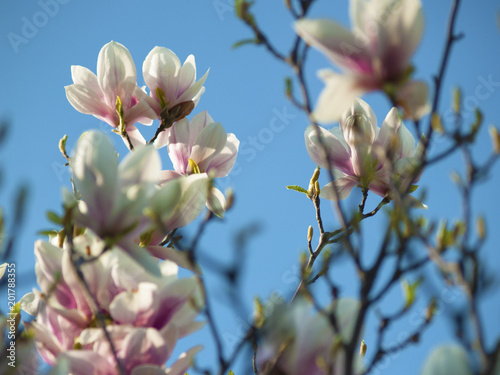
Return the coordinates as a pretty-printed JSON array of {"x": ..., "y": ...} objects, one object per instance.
[
  {"x": 339, "y": 93},
  {"x": 187, "y": 74},
  {"x": 412, "y": 97},
  {"x": 388, "y": 131},
  {"x": 135, "y": 307},
  {"x": 141, "y": 165},
  {"x": 115, "y": 71},
  {"x": 29, "y": 303},
  {"x": 216, "y": 202},
  {"x": 209, "y": 142},
  {"x": 85, "y": 77},
  {"x": 161, "y": 69},
  {"x": 336, "y": 42},
  {"x": 197, "y": 124},
  {"x": 336, "y": 152},
  {"x": 223, "y": 162},
  {"x": 360, "y": 107},
  {"x": 85, "y": 101},
  {"x": 84, "y": 362},
  {"x": 148, "y": 370},
  {"x": 407, "y": 142},
  {"x": 166, "y": 176},
  {"x": 178, "y": 141},
  {"x": 164, "y": 201},
  {"x": 344, "y": 186},
  {"x": 184, "y": 362},
  {"x": 195, "y": 91},
  {"x": 141, "y": 112},
  {"x": 448, "y": 359}
]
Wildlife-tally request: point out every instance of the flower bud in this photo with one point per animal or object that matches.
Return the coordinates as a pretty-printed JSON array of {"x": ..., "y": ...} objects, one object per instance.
[
  {"x": 481, "y": 228},
  {"x": 495, "y": 138},
  {"x": 436, "y": 123},
  {"x": 362, "y": 349},
  {"x": 309, "y": 233}
]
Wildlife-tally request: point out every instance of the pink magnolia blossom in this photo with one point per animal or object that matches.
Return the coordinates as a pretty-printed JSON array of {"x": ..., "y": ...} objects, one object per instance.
[
  {"x": 374, "y": 55},
  {"x": 170, "y": 83},
  {"x": 361, "y": 154},
  {"x": 115, "y": 80},
  {"x": 145, "y": 314},
  {"x": 297, "y": 342},
  {"x": 200, "y": 146}
]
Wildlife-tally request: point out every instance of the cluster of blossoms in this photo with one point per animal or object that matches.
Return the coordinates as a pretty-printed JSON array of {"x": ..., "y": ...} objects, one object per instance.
[{"x": 111, "y": 264}]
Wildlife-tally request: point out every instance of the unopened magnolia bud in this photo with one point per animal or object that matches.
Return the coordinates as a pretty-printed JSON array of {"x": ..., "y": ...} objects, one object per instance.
[
  {"x": 495, "y": 139},
  {"x": 481, "y": 228},
  {"x": 362, "y": 349},
  {"x": 431, "y": 310},
  {"x": 229, "y": 199},
  {"x": 315, "y": 175},
  {"x": 457, "y": 100},
  {"x": 436, "y": 123},
  {"x": 310, "y": 233},
  {"x": 62, "y": 145},
  {"x": 316, "y": 188}
]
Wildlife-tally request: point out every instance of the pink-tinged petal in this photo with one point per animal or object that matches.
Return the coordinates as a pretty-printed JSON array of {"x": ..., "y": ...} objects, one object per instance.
[
  {"x": 339, "y": 93},
  {"x": 187, "y": 74},
  {"x": 190, "y": 202},
  {"x": 210, "y": 142},
  {"x": 85, "y": 101},
  {"x": 95, "y": 174},
  {"x": 344, "y": 186},
  {"x": 178, "y": 142},
  {"x": 407, "y": 142},
  {"x": 85, "y": 362},
  {"x": 29, "y": 303},
  {"x": 166, "y": 176},
  {"x": 140, "y": 166},
  {"x": 116, "y": 71},
  {"x": 388, "y": 131},
  {"x": 143, "y": 346},
  {"x": 216, "y": 202},
  {"x": 83, "y": 76},
  {"x": 223, "y": 163},
  {"x": 197, "y": 124},
  {"x": 337, "y": 43},
  {"x": 412, "y": 97},
  {"x": 135, "y": 137},
  {"x": 195, "y": 91},
  {"x": 161, "y": 69},
  {"x": 184, "y": 362},
  {"x": 336, "y": 152},
  {"x": 360, "y": 107},
  {"x": 46, "y": 343},
  {"x": 141, "y": 112},
  {"x": 137, "y": 307}
]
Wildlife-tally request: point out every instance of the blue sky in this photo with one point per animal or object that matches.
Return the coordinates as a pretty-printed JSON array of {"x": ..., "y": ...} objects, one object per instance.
[{"x": 244, "y": 91}]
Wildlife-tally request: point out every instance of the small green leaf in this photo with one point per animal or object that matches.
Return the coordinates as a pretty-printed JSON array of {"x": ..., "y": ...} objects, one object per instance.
[
  {"x": 47, "y": 232},
  {"x": 243, "y": 42},
  {"x": 52, "y": 216},
  {"x": 230, "y": 372},
  {"x": 297, "y": 188},
  {"x": 412, "y": 188}
]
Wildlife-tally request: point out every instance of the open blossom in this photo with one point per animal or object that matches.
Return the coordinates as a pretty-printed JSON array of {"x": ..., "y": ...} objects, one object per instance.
[
  {"x": 145, "y": 314},
  {"x": 115, "y": 82},
  {"x": 115, "y": 198},
  {"x": 361, "y": 154},
  {"x": 297, "y": 340},
  {"x": 448, "y": 359},
  {"x": 374, "y": 55},
  {"x": 200, "y": 146},
  {"x": 171, "y": 84}
]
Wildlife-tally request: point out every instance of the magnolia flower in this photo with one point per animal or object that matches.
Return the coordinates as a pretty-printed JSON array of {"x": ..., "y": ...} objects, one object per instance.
[
  {"x": 174, "y": 89},
  {"x": 361, "y": 154},
  {"x": 297, "y": 342},
  {"x": 375, "y": 55},
  {"x": 200, "y": 146},
  {"x": 113, "y": 196},
  {"x": 113, "y": 95},
  {"x": 145, "y": 314},
  {"x": 448, "y": 359}
]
